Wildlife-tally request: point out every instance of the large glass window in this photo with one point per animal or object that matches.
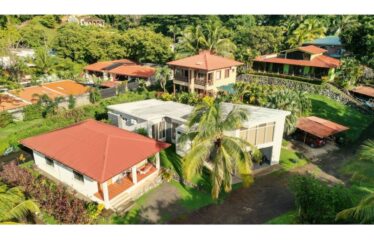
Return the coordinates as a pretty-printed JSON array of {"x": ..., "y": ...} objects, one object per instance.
[
  {"x": 218, "y": 75},
  {"x": 261, "y": 134},
  {"x": 227, "y": 73}
]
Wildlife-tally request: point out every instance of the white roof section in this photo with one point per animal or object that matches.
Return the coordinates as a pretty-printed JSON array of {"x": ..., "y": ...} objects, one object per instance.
[
  {"x": 258, "y": 115},
  {"x": 153, "y": 108}
]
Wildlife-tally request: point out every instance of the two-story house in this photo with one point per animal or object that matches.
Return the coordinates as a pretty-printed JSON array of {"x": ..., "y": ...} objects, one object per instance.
[
  {"x": 308, "y": 61},
  {"x": 203, "y": 73}
]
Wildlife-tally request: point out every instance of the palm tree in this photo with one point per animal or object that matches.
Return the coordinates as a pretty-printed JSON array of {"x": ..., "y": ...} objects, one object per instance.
[
  {"x": 189, "y": 42},
  {"x": 175, "y": 30},
  {"x": 364, "y": 211},
  {"x": 222, "y": 155},
  {"x": 14, "y": 206},
  {"x": 210, "y": 36},
  {"x": 214, "y": 40},
  {"x": 162, "y": 76},
  {"x": 310, "y": 29}
]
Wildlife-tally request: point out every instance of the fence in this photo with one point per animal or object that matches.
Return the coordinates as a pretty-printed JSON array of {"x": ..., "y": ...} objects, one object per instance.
[{"x": 111, "y": 92}]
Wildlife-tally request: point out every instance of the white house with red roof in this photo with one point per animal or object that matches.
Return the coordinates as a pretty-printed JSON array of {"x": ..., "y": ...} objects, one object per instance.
[
  {"x": 203, "y": 73},
  {"x": 104, "y": 163},
  {"x": 307, "y": 61}
]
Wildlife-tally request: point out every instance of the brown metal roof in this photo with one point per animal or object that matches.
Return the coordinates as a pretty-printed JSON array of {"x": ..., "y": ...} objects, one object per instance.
[
  {"x": 367, "y": 91},
  {"x": 319, "y": 127}
]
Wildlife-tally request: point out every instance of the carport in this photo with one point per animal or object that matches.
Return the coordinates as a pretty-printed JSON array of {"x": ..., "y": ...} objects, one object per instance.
[{"x": 319, "y": 127}]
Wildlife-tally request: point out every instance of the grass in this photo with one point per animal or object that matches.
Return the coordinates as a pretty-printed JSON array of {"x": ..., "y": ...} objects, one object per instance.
[
  {"x": 357, "y": 122},
  {"x": 290, "y": 159},
  {"x": 287, "y": 218}
]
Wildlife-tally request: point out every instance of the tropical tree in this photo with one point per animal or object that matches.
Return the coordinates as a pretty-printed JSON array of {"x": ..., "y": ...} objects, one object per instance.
[
  {"x": 175, "y": 31},
  {"x": 162, "y": 76},
  {"x": 349, "y": 73},
  {"x": 210, "y": 148},
  {"x": 14, "y": 207},
  {"x": 43, "y": 61},
  {"x": 49, "y": 105},
  {"x": 310, "y": 29},
  {"x": 295, "y": 102},
  {"x": 364, "y": 211},
  {"x": 211, "y": 36}
]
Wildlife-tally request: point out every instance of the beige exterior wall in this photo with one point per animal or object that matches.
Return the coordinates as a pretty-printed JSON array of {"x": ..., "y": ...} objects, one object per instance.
[{"x": 218, "y": 79}]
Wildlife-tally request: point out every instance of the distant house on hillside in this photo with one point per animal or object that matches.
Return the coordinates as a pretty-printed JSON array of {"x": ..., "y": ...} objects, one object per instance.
[
  {"x": 115, "y": 71},
  {"x": 332, "y": 44},
  {"x": 86, "y": 20},
  {"x": 308, "y": 61},
  {"x": 203, "y": 73}
]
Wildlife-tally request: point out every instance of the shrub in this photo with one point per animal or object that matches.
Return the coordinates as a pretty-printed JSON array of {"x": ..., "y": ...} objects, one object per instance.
[
  {"x": 142, "y": 131},
  {"x": 32, "y": 112},
  {"x": 318, "y": 203},
  {"x": 71, "y": 102},
  {"x": 167, "y": 97},
  {"x": 95, "y": 95},
  {"x": 54, "y": 199},
  {"x": 5, "y": 119}
]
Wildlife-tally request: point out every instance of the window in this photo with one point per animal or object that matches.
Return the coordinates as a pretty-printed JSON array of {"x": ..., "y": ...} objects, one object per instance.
[
  {"x": 162, "y": 130},
  {"x": 50, "y": 162},
  {"x": 218, "y": 75},
  {"x": 227, "y": 73},
  {"x": 210, "y": 76},
  {"x": 186, "y": 73},
  {"x": 78, "y": 176}
]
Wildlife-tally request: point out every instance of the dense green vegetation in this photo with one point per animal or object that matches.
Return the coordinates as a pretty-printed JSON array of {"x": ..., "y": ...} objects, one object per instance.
[
  {"x": 340, "y": 113},
  {"x": 14, "y": 132},
  {"x": 287, "y": 218}
]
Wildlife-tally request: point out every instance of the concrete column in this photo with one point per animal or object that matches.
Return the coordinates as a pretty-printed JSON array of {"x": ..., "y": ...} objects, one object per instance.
[
  {"x": 192, "y": 80},
  {"x": 134, "y": 175},
  {"x": 158, "y": 160},
  {"x": 106, "y": 194},
  {"x": 277, "y": 141}
]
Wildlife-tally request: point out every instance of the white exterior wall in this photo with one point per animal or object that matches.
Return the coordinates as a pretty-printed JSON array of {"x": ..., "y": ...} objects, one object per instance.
[
  {"x": 275, "y": 145},
  {"x": 65, "y": 174}
]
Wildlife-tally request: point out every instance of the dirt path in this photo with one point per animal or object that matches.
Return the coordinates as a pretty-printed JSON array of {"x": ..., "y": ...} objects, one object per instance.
[{"x": 270, "y": 197}]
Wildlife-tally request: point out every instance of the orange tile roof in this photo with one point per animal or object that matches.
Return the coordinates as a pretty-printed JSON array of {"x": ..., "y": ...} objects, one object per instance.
[
  {"x": 95, "y": 149},
  {"x": 367, "y": 91},
  {"x": 319, "y": 127},
  {"x": 8, "y": 102},
  {"x": 99, "y": 66},
  {"x": 312, "y": 49},
  {"x": 29, "y": 93},
  {"x": 134, "y": 71},
  {"x": 321, "y": 61},
  {"x": 205, "y": 61},
  {"x": 110, "y": 83},
  {"x": 67, "y": 87}
]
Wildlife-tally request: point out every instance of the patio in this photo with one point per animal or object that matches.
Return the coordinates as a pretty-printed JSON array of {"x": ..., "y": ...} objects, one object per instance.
[{"x": 122, "y": 185}]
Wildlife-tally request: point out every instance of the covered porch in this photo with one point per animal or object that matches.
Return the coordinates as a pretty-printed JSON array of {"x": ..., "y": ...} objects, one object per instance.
[{"x": 113, "y": 190}]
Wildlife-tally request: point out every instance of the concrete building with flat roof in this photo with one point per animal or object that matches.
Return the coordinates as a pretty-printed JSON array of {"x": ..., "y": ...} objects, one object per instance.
[{"x": 165, "y": 121}]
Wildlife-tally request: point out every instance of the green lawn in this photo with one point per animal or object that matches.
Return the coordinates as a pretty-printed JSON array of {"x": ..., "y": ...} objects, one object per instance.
[
  {"x": 290, "y": 159},
  {"x": 332, "y": 110},
  {"x": 287, "y": 218}
]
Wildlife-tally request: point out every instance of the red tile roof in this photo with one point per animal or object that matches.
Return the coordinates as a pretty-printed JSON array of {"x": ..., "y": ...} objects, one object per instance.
[
  {"x": 205, "y": 61},
  {"x": 134, "y": 71},
  {"x": 95, "y": 149},
  {"x": 367, "y": 91},
  {"x": 319, "y": 127},
  {"x": 99, "y": 66},
  {"x": 29, "y": 93},
  {"x": 312, "y": 49},
  {"x": 68, "y": 87},
  {"x": 321, "y": 61},
  {"x": 8, "y": 102},
  {"x": 110, "y": 83}
]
